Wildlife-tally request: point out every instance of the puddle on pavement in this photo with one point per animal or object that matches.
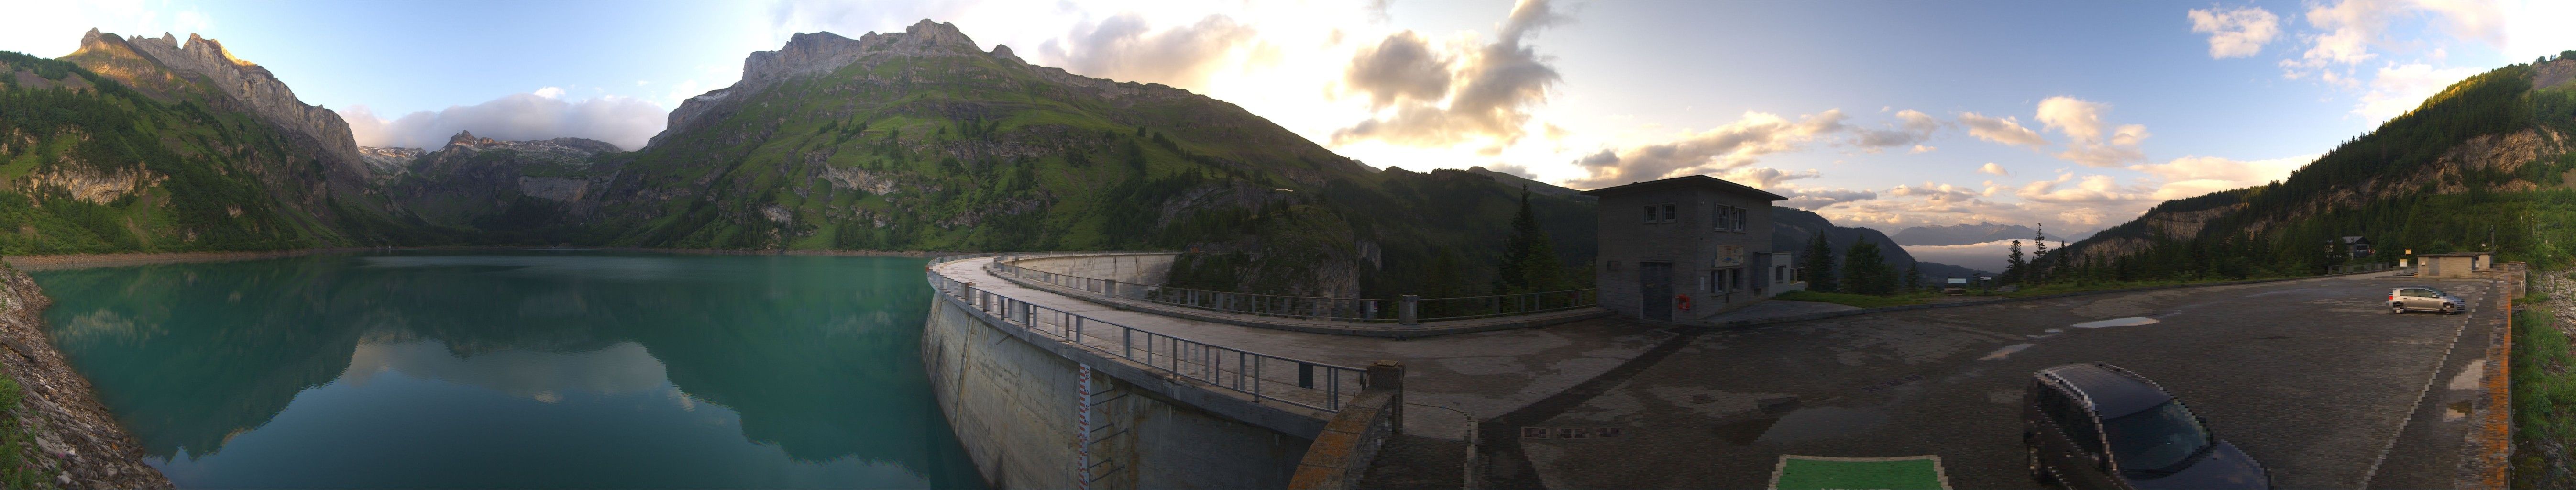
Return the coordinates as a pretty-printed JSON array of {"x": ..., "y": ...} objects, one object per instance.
[
  {"x": 2007, "y": 351},
  {"x": 2457, "y": 410},
  {"x": 1818, "y": 423},
  {"x": 2117, "y": 322},
  {"x": 1744, "y": 432}
]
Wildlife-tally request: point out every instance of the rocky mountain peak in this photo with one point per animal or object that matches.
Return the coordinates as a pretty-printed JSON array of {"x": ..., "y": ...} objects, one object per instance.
[
  {"x": 252, "y": 87},
  {"x": 467, "y": 138},
  {"x": 822, "y": 52}
]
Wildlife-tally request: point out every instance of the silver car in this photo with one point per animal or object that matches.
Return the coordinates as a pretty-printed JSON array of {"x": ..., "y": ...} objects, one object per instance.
[{"x": 2424, "y": 299}]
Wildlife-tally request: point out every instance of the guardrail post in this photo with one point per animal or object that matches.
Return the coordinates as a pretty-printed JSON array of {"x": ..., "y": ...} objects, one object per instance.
[
  {"x": 1411, "y": 312},
  {"x": 1389, "y": 375}
]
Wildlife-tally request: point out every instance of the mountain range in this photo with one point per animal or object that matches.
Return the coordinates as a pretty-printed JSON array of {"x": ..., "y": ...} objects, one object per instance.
[
  {"x": 1965, "y": 234},
  {"x": 913, "y": 140}
]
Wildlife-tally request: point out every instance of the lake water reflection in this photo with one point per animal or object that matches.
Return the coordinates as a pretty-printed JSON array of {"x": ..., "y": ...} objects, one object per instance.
[{"x": 517, "y": 369}]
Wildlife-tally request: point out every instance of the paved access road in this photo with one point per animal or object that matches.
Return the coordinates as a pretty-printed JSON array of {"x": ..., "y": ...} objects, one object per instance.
[{"x": 2314, "y": 378}]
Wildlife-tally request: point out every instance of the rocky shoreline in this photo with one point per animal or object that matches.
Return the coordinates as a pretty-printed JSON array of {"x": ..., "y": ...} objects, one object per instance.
[{"x": 78, "y": 444}]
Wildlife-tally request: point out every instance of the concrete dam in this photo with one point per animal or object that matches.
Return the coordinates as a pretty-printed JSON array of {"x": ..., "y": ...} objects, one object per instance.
[{"x": 1078, "y": 370}]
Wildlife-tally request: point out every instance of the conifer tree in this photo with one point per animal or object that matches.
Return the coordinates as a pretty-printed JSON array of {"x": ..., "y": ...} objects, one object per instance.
[
  {"x": 1529, "y": 262},
  {"x": 1819, "y": 263}
]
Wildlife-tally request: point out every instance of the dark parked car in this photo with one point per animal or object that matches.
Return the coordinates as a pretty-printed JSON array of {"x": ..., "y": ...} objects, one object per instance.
[{"x": 2095, "y": 425}]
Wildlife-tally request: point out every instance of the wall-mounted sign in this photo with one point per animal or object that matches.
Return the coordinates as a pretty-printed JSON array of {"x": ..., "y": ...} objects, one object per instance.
[{"x": 1730, "y": 255}]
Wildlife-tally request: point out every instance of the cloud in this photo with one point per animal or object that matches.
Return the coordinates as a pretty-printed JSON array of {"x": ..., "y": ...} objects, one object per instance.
[
  {"x": 2198, "y": 175},
  {"x": 1515, "y": 169},
  {"x": 1403, "y": 67},
  {"x": 1814, "y": 199},
  {"x": 1766, "y": 177},
  {"x": 1912, "y": 129},
  {"x": 2006, "y": 130},
  {"x": 1725, "y": 147},
  {"x": 551, "y": 92},
  {"x": 2349, "y": 29},
  {"x": 1124, "y": 47},
  {"x": 2400, "y": 88},
  {"x": 1493, "y": 90},
  {"x": 1992, "y": 169},
  {"x": 2235, "y": 32},
  {"x": 2088, "y": 142},
  {"x": 1938, "y": 193},
  {"x": 2089, "y": 190},
  {"x": 623, "y": 121}
]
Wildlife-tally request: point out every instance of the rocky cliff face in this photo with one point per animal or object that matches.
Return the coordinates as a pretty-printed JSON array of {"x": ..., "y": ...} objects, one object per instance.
[
  {"x": 257, "y": 90},
  {"x": 473, "y": 178},
  {"x": 821, "y": 52},
  {"x": 78, "y": 442},
  {"x": 387, "y": 163}
]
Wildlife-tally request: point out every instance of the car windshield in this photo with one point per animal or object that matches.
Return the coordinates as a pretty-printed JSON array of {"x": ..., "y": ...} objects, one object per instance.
[
  {"x": 2430, "y": 292},
  {"x": 2157, "y": 440}
]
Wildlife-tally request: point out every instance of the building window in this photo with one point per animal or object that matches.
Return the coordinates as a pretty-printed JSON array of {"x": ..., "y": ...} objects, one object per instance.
[
  {"x": 1735, "y": 278},
  {"x": 1650, "y": 214},
  {"x": 1730, "y": 218},
  {"x": 1779, "y": 273},
  {"x": 1714, "y": 279},
  {"x": 1668, "y": 214}
]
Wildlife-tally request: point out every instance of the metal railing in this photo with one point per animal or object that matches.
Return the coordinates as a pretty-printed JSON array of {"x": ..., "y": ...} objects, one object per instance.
[
  {"x": 1310, "y": 384},
  {"x": 1408, "y": 310},
  {"x": 2361, "y": 267}
]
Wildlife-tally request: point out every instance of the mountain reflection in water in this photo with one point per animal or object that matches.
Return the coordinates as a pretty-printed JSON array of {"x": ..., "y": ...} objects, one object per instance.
[{"x": 530, "y": 368}]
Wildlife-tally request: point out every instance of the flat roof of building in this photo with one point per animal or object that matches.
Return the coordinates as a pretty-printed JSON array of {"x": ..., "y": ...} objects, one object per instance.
[
  {"x": 2454, "y": 254},
  {"x": 1687, "y": 180}
]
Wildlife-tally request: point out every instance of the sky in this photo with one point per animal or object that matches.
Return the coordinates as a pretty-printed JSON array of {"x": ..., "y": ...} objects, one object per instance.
[{"x": 2072, "y": 115}]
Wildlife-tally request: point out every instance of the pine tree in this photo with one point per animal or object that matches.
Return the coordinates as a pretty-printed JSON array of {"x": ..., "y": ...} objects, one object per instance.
[
  {"x": 1529, "y": 263},
  {"x": 2039, "y": 241},
  {"x": 2012, "y": 265},
  {"x": 1819, "y": 264},
  {"x": 1866, "y": 272},
  {"x": 1914, "y": 277}
]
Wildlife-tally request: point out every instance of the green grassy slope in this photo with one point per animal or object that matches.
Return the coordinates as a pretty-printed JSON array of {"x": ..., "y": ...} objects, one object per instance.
[
  {"x": 95, "y": 166},
  {"x": 963, "y": 150}
]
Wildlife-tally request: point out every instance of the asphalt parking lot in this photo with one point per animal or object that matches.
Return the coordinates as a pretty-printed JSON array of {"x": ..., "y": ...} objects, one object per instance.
[{"x": 2314, "y": 378}]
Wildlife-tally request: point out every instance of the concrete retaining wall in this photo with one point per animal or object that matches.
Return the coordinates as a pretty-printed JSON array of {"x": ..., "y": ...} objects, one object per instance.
[
  {"x": 1151, "y": 269},
  {"x": 1014, "y": 406}
]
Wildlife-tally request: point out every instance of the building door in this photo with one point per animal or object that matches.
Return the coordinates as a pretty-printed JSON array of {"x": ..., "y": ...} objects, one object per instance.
[{"x": 1655, "y": 284}]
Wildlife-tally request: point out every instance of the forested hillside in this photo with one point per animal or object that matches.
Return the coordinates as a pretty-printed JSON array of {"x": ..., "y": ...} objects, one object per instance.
[{"x": 2481, "y": 166}]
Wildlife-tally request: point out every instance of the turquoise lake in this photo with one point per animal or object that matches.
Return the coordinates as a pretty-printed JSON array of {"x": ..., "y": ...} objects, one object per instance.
[{"x": 517, "y": 369}]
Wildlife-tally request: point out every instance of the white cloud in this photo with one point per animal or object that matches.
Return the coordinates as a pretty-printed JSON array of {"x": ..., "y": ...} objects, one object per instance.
[
  {"x": 2235, "y": 32},
  {"x": 550, "y": 92},
  {"x": 2088, "y": 142},
  {"x": 1912, "y": 129},
  {"x": 1127, "y": 47},
  {"x": 1993, "y": 169},
  {"x": 2006, "y": 130},
  {"x": 2091, "y": 190},
  {"x": 2197, "y": 175},
  {"x": 1725, "y": 147},
  {"x": 1491, "y": 89},
  {"x": 2400, "y": 88},
  {"x": 623, "y": 121},
  {"x": 1766, "y": 178},
  {"x": 1815, "y": 199}
]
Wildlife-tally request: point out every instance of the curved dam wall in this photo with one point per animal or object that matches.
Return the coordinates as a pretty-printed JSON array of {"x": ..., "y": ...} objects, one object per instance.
[
  {"x": 1015, "y": 406},
  {"x": 1153, "y": 269}
]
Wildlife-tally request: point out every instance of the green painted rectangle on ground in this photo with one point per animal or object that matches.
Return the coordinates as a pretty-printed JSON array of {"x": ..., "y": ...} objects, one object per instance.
[{"x": 1822, "y": 472}]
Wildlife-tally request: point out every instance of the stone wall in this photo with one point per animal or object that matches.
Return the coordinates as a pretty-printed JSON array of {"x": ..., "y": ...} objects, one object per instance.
[{"x": 1015, "y": 407}]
